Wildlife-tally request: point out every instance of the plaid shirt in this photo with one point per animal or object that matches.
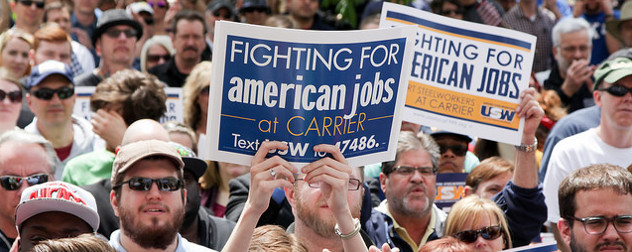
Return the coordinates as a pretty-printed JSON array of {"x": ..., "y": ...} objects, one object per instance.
[
  {"x": 75, "y": 66},
  {"x": 541, "y": 28}
]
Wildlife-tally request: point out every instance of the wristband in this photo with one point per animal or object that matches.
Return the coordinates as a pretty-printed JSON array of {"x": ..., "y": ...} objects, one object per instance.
[
  {"x": 356, "y": 229},
  {"x": 528, "y": 147}
]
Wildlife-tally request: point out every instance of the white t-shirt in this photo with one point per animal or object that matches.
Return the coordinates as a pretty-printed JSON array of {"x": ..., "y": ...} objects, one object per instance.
[{"x": 576, "y": 152}]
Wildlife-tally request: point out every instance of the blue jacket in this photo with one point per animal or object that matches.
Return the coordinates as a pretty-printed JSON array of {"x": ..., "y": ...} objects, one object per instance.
[
  {"x": 380, "y": 229},
  {"x": 525, "y": 211}
]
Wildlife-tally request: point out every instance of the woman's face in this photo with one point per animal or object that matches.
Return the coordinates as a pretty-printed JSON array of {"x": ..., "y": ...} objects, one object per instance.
[
  {"x": 156, "y": 55},
  {"x": 15, "y": 56},
  {"x": 9, "y": 110},
  {"x": 481, "y": 244}
]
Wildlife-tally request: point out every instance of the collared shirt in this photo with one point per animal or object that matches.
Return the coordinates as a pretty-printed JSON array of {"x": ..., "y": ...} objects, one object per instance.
[
  {"x": 383, "y": 207},
  {"x": 183, "y": 244},
  {"x": 540, "y": 27}
]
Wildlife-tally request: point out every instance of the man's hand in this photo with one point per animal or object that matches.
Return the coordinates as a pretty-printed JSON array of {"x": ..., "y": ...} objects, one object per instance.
[
  {"x": 577, "y": 74},
  {"x": 110, "y": 126},
  {"x": 532, "y": 113},
  {"x": 267, "y": 174},
  {"x": 333, "y": 175}
]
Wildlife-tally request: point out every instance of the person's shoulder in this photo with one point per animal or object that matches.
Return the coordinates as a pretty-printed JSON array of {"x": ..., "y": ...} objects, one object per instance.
[
  {"x": 578, "y": 121},
  {"x": 159, "y": 69},
  {"x": 87, "y": 79}
]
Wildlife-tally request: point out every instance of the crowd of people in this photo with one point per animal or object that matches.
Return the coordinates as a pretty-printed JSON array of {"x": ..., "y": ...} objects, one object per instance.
[{"x": 122, "y": 181}]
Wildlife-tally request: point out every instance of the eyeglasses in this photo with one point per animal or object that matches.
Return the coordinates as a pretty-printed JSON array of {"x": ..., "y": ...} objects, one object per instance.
[
  {"x": 148, "y": 21},
  {"x": 598, "y": 224},
  {"x": 354, "y": 184},
  {"x": 450, "y": 12},
  {"x": 409, "y": 170},
  {"x": 157, "y": 57},
  {"x": 47, "y": 93},
  {"x": 39, "y": 5},
  {"x": 488, "y": 233},
  {"x": 162, "y": 5},
  {"x": 115, "y": 33},
  {"x": 167, "y": 184},
  {"x": 13, "y": 96},
  {"x": 616, "y": 90},
  {"x": 572, "y": 49},
  {"x": 205, "y": 90},
  {"x": 458, "y": 149},
  {"x": 11, "y": 183}
]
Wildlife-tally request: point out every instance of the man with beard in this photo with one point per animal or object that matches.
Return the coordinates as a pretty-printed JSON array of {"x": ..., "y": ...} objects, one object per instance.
[
  {"x": 150, "y": 216},
  {"x": 115, "y": 42},
  {"x": 570, "y": 76},
  {"x": 591, "y": 199},
  {"x": 189, "y": 31},
  {"x": 610, "y": 142}
]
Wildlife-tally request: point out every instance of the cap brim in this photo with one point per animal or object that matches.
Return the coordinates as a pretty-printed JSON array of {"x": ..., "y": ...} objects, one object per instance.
[
  {"x": 195, "y": 165},
  {"x": 100, "y": 30},
  {"x": 34, "y": 207}
]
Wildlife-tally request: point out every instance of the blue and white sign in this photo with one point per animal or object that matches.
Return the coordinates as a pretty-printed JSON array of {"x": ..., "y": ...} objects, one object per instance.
[{"x": 307, "y": 88}]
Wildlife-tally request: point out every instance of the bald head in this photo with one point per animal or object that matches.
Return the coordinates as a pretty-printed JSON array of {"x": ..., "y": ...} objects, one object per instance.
[{"x": 145, "y": 129}]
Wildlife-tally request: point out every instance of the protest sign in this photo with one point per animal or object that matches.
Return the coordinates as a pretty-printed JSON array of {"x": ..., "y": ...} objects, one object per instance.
[
  {"x": 173, "y": 113},
  {"x": 465, "y": 77},
  {"x": 450, "y": 189},
  {"x": 307, "y": 88}
]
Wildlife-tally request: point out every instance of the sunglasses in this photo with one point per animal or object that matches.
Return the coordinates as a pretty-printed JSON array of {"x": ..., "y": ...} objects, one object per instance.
[
  {"x": 115, "y": 33},
  {"x": 157, "y": 57},
  {"x": 458, "y": 150},
  {"x": 161, "y": 5},
  {"x": 616, "y": 90},
  {"x": 257, "y": 9},
  {"x": 13, "y": 96},
  {"x": 11, "y": 183},
  {"x": 149, "y": 21},
  {"x": 205, "y": 90},
  {"x": 47, "y": 93},
  {"x": 488, "y": 233},
  {"x": 167, "y": 184},
  {"x": 39, "y": 5}
]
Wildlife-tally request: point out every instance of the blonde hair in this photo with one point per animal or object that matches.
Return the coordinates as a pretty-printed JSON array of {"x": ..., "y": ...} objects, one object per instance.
[
  {"x": 81, "y": 243},
  {"x": 6, "y": 36},
  {"x": 199, "y": 79},
  {"x": 446, "y": 244},
  {"x": 274, "y": 238},
  {"x": 471, "y": 209}
]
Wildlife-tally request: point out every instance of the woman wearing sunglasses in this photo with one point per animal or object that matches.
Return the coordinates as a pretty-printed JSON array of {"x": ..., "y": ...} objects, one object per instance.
[
  {"x": 14, "y": 52},
  {"x": 480, "y": 223},
  {"x": 10, "y": 101},
  {"x": 156, "y": 50}
]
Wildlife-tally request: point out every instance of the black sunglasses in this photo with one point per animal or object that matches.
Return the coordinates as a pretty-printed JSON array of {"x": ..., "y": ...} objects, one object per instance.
[
  {"x": 168, "y": 184},
  {"x": 157, "y": 57},
  {"x": 39, "y": 5},
  {"x": 616, "y": 90},
  {"x": 11, "y": 183},
  {"x": 488, "y": 233},
  {"x": 253, "y": 9},
  {"x": 458, "y": 150},
  {"x": 115, "y": 33},
  {"x": 47, "y": 93},
  {"x": 13, "y": 96},
  {"x": 225, "y": 16},
  {"x": 452, "y": 12}
]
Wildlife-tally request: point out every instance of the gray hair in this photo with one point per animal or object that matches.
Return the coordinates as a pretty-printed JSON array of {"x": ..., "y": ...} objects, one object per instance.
[
  {"x": 21, "y": 136},
  {"x": 568, "y": 25},
  {"x": 162, "y": 40},
  {"x": 408, "y": 141}
]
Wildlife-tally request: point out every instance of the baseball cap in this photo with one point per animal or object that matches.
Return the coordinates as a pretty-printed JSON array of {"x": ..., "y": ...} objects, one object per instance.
[
  {"x": 191, "y": 162},
  {"x": 612, "y": 26},
  {"x": 131, "y": 153},
  {"x": 57, "y": 196},
  {"x": 48, "y": 68},
  {"x": 115, "y": 17},
  {"x": 612, "y": 70},
  {"x": 218, "y": 4},
  {"x": 436, "y": 134},
  {"x": 138, "y": 7}
]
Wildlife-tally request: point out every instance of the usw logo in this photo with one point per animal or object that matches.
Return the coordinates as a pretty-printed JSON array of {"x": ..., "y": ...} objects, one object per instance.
[{"x": 497, "y": 113}]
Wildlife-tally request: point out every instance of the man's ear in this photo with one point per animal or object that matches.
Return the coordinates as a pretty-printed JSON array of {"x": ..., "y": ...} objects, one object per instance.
[
  {"x": 383, "y": 178},
  {"x": 114, "y": 202},
  {"x": 289, "y": 194},
  {"x": 467, "y": 190},
  {"x": 565, "y": 230}
]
